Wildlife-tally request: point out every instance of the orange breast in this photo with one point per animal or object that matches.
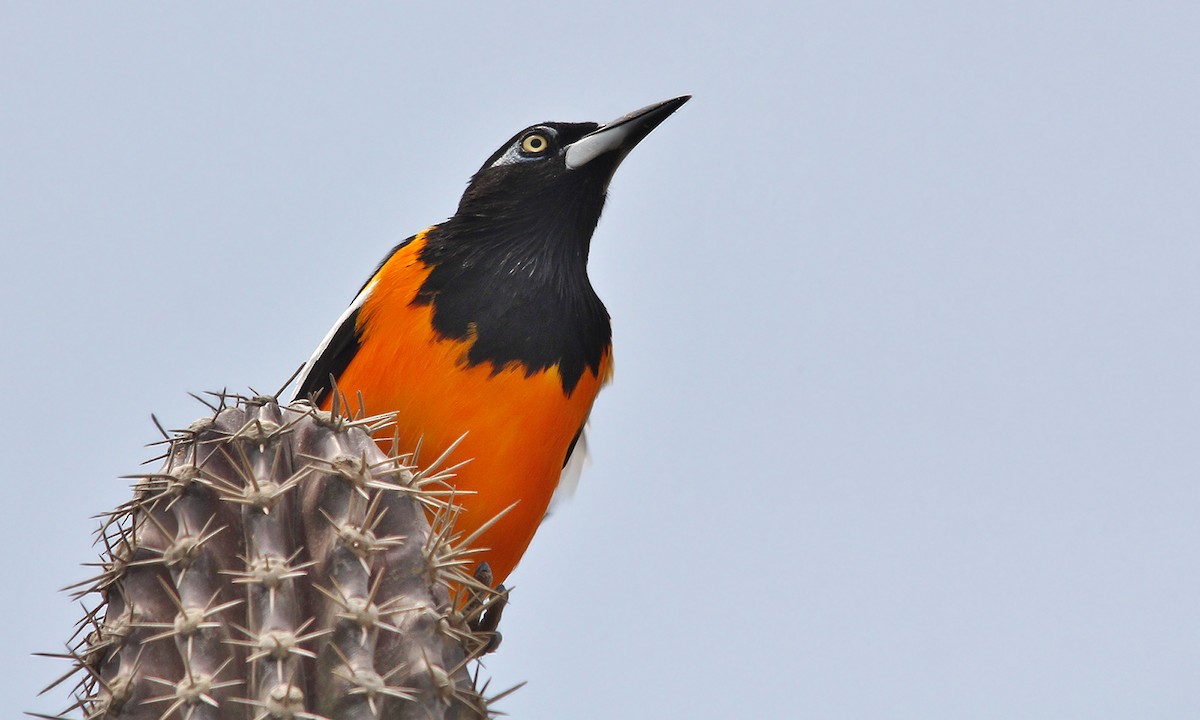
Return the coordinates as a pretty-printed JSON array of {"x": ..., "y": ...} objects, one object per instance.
[{"x": 517, "y": 427}]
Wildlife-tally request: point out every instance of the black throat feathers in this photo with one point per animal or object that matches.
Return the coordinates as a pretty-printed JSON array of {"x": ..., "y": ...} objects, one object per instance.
[{"x": 514, "y": 278}]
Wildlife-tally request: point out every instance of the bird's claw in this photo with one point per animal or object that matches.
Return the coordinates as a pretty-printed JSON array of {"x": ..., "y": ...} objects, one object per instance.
[{"x": 484, "y": 609}]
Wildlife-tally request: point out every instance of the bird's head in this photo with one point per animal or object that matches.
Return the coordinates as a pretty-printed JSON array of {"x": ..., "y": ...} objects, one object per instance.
[{"x": 555, "y": 175}]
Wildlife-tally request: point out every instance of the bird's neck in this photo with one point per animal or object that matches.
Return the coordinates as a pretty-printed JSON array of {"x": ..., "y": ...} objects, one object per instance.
[{"x": 522, "y": 292}]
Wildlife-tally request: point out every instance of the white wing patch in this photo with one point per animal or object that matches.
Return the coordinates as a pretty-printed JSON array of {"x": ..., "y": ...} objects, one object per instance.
[
  {"x": 569, "y": 479},
  {"x": 312, "y": 361}
]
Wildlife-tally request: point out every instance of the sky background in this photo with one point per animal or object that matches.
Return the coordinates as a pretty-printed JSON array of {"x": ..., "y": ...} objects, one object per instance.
[{"x": 905, "y": 304}]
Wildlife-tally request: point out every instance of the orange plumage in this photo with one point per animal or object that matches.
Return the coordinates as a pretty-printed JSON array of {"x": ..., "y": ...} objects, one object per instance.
[{"x": 517, "y": 427}]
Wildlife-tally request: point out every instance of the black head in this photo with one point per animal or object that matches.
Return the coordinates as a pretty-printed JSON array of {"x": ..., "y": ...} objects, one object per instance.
[
  {"x": 529, "y": 167},
  {"x": 553, "y": 177}
]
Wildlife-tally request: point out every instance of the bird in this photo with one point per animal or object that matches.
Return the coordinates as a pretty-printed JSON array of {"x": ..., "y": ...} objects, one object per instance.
[{"x": 484, "y": 330}]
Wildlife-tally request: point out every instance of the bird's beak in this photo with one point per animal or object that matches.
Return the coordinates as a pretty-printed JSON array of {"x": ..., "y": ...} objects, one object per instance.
[{"x": 622, "y": 134}]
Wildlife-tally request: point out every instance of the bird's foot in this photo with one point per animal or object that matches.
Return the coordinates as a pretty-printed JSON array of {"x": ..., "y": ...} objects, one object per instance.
[{"x": 485, "y": 607}]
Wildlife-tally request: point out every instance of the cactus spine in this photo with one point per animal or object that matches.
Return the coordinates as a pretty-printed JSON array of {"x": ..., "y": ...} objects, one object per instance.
[{"x": 281, "y": 566}]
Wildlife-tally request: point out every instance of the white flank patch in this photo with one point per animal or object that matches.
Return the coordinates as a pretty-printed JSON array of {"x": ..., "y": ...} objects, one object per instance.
[{"x": 569, "y": 479}]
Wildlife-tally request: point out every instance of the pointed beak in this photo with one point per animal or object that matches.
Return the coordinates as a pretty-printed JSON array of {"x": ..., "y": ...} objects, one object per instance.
[{"x": 621, "y": 135}]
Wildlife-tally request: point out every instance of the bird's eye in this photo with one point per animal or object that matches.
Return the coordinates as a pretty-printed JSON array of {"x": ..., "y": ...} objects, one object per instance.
[{"x": 535, "y": 143}]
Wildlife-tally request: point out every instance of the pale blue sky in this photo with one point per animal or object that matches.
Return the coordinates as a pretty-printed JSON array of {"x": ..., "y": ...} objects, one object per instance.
[{"x": 905, "y": 303}]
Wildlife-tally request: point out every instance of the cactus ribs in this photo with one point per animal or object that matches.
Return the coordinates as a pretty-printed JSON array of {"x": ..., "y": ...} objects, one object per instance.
[{"x": 280, "y": 565}]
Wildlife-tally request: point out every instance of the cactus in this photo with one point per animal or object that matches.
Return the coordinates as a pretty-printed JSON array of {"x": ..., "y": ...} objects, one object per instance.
[{"x": 281, "y": 566}]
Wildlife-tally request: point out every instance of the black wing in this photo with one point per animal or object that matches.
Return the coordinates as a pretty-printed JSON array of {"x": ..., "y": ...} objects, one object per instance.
[
  {"x": 340, "y": 346},
  {"x": 332, "y": 357}
]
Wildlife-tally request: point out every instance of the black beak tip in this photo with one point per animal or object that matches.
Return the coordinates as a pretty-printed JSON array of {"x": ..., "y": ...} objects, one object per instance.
[
  {"x": 652, "y": 116},
  {"x": 662, "y": 109},
  {"x": 622, "y": 134}
]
